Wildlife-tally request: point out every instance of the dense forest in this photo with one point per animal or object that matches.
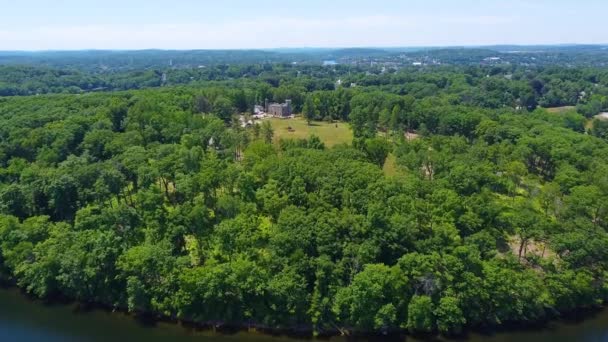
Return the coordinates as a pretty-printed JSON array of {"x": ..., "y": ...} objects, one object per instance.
[{"x": 153, "y": 198}]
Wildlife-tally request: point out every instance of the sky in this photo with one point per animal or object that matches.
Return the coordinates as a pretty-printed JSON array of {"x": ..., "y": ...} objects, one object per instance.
[{"x": 246, "y": 24}]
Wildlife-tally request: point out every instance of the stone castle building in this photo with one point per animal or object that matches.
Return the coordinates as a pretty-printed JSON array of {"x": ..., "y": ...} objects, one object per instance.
[{"x": 279, "y": 109}]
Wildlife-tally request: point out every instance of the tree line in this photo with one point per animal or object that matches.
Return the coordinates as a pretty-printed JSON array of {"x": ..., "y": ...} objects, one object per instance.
[{"x": 157, "y": 201}]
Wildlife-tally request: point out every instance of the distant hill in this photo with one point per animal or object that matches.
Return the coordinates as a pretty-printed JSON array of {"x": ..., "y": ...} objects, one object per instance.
[{"x": 125, "y": 60}]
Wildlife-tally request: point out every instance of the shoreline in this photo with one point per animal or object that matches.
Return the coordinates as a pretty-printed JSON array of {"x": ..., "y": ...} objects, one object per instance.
[{"x": 150, "y": 320}]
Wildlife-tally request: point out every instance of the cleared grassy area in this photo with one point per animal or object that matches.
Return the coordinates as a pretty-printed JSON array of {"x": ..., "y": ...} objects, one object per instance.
[
  {"x": 390, "y": 166},
  {"x": 331, "y": 134},
  {"x": 600, "y": 116},
  {"x": 558, "y": 110}
]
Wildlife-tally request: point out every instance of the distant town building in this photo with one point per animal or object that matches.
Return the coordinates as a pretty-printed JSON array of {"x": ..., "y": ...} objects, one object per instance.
[{"x": 279, "y": 109}]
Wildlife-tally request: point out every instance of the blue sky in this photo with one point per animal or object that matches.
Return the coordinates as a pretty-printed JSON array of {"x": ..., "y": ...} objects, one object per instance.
[{"x": 219, "y": 24}]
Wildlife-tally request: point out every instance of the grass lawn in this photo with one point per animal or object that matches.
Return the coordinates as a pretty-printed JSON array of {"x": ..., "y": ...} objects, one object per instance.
[{"x": 329, "y": 134}]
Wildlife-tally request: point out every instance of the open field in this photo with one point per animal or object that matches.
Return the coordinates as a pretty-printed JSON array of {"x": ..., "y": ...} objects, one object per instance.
[
  {"x": 558, "y": 110},
  {"x": 600, "y": 116},
  {"x": 331, "y": 134}
]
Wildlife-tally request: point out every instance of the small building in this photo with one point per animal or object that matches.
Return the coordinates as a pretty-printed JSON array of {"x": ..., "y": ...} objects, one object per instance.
[{"x": 281, "y": 110}]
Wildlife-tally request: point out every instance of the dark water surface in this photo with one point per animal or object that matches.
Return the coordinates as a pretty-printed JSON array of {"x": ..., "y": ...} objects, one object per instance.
[{"x": 22, "y": 319}]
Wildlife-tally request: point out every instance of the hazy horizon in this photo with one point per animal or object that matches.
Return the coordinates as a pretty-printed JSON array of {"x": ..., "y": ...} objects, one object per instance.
[{"x": 272, "y": 49}]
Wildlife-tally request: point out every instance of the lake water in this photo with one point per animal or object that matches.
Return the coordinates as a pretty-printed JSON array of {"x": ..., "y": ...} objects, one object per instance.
[{"x": 22, "y": 319}]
